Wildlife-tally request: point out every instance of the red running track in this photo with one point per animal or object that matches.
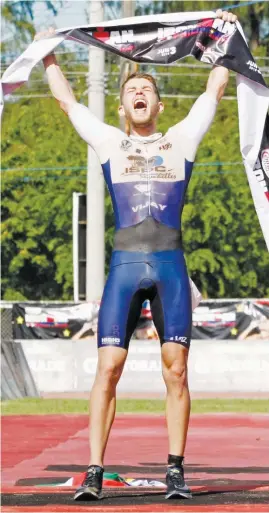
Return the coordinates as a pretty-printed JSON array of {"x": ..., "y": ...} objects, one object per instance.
[
  {"x": 224, "y": 452},
  {"x": 236, "y": 508}
]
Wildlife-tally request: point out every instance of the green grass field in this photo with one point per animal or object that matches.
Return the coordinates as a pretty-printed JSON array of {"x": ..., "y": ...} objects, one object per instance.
[{"x": 41, "y": 406}]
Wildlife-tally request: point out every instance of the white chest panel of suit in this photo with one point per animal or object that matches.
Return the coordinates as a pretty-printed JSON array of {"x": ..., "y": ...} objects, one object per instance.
[{"x": 147, "y": 176}]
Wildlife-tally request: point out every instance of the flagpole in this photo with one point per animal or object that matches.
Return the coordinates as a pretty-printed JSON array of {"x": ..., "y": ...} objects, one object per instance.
[{"x": 95, "y": 244}]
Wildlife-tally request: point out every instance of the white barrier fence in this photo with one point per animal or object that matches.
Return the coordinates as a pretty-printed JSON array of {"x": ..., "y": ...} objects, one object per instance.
[{"x": 214, "y": 366}]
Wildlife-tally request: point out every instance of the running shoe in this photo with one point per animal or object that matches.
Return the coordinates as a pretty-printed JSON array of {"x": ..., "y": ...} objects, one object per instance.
[
  {"x": 176, "y": 486},
  {"x": 91, "y": 488}
]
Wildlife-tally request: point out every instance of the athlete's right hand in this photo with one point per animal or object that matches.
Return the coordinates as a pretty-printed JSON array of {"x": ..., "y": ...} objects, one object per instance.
[{"x": 45, "y": 34}]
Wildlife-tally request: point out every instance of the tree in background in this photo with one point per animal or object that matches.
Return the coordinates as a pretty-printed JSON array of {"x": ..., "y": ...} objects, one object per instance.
[
  {"x": 37, "y": 202},
  {"x": 225, "y": 250},
  {"x": 17, "y": 19},
  {"x": 26, "y": 260}
]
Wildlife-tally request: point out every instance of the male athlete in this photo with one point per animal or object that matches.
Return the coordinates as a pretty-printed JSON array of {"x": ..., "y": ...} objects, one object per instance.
[{"x": 147, "y": 175}]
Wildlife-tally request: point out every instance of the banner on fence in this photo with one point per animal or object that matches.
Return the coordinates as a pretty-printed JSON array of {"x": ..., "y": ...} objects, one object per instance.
[{"x": 219, "y": 320}]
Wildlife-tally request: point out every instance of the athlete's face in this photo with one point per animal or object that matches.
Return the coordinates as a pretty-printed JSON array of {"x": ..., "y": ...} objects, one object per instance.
[{"x": 140, "y": 103}]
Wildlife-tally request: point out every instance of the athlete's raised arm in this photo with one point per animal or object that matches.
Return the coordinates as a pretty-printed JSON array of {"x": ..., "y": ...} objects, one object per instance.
[
  {"x": 88, "y": 126},
  {"x": 59, "y": 86},
  {"x": 202, "y": 113},
  {"x": 198, "y": 121},
  {"x": 219, "y": 76}
]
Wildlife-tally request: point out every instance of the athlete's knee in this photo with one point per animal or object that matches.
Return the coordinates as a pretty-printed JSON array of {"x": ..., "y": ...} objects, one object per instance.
[
  {"x": 176, "y": 376},
  {"x": 108, "y": 374}
]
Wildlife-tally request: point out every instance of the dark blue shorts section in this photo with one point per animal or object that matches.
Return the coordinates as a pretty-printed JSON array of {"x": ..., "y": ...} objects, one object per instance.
[{"x": 160, "y": 277}]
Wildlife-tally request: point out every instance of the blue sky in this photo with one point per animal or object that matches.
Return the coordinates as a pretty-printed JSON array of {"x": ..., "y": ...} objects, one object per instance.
[{"x": 72, "y": 13}]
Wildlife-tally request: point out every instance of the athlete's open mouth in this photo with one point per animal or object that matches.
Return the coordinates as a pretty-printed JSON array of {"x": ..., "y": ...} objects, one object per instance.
[{"x": 140, "y": 103}]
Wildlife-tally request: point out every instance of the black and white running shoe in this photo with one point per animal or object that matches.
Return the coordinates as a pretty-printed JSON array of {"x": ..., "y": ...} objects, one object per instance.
[
  {"x": 91, "y": 488},
  {"x": 176, "y": 486}
]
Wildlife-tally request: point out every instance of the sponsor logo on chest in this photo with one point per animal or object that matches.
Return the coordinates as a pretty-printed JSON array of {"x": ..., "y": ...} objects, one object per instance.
[
  {"x": 125, "y": 144},
  {"x": 158, "y": 206},
  {"x": 154, "y": 167},
  {"x": 165, "y": 146}
]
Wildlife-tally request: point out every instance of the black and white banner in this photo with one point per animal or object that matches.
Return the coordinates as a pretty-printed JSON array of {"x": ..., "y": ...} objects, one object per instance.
[
  {"x": 211, "y": 319},
  {"x": 48, "y": 321},
  {"x": 230, "y": 320},
  {"x": 164, "y": 39}
]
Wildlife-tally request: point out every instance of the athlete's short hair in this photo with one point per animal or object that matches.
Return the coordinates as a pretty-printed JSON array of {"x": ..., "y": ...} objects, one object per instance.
[{"x": 149, "y": 77}]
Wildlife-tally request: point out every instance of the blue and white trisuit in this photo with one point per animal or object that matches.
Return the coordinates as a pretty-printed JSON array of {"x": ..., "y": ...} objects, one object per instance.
[{"x": 147, "y": 178}]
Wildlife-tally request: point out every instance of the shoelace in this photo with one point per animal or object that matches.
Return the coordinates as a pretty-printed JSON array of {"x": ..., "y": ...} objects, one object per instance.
[
  {"x": 176, "y": 475},
  {"x": 90, "y": 477}
]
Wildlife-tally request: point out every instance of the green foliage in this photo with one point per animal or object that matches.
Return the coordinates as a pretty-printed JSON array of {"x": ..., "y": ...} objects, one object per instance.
[
  {"x": 37, "y": 205},
  {"x": 40, "y": 406},
  {"x": 224, "y": 246},
  {"x": 18, "y": 16},
  {"x": 24, "y": 9}
]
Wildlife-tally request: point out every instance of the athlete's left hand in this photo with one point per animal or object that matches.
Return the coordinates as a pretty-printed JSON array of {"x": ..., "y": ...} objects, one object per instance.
[{"x": 226, "y": 16}]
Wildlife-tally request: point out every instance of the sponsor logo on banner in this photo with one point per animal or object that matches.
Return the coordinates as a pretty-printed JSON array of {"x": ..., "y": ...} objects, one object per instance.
[
  {"x": 127, "y": 48},
  {"x": 261, "y": 172},
  {"x": 253, "y": 66},
  {"x": 167, "y": 51},
  {"x": 37, "y": 365},
  {"x": 101, "y": 34},
  {"x": 265, "y": 161},
  {"x": 207, "y": 318},
  {"x": 123, "y": 37},
  {"x": 187, "y": 30},
  {"x": 115, "y": 341},
  {"x": 200, "y": 46},
  {"x": 114, "y": 36}
]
